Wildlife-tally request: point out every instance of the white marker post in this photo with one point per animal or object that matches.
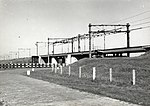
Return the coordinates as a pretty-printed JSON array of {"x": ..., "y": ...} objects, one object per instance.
[
  {"x": 61, "y": 70},
  {"x": 79, "y": 72},
  {"x": 33, "y": 69},
  {"x": 55, "y": 69},
  {"x": 28, "y": 72},
  {"x": 133, "y": 71},
  {"x": 69, "y": 71},
  {"x": 63, "y": 64},
  {"x": 94, "y": 73},
  {"x": 110, "y": 74}
]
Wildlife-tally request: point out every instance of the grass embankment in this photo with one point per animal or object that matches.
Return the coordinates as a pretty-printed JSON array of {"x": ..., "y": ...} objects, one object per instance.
[
  {"x": 121, "y": 88},
  {"x": 20, "y": 60}
]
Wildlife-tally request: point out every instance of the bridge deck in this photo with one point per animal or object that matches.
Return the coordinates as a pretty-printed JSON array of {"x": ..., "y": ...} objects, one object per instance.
[
  {"x": 126, "y": 50},
  {"x": 134, "y": 49}
]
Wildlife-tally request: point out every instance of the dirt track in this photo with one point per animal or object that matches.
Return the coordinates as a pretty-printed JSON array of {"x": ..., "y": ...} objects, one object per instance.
[{"x": 18, "y": 90}]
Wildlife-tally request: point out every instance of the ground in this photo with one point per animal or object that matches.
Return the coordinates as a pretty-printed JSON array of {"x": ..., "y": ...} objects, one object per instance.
[
  {"x": 53, "y": 88},
  {"x": 19, "y": 90},
  {"x": 120, "y": 88}
]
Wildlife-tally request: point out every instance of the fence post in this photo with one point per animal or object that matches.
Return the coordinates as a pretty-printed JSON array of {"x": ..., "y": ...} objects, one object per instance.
[
  {"x": 28, "y": 72},
  {"x": 110, "y": 74},
  {"x": 55, "y": 68},
  {"x": 94, "y": 73},
  {"x": 61, "y": 70},
  {"x": 63, "y": 64},
  {"x": 79, "y": 72},
  {"x": 69, "y": 71},
  {"x": 32, "y": 69},
  {"x": 133, "y": 75}
]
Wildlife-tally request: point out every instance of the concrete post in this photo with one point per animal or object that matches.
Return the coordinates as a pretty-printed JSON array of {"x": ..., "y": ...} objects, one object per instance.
[
  {"x": 69, "y": 71},
  {"x": 28, "y": 72},
  {"x": 110, "y": 74},
  {"x": 61, "y": 70},
  {"x": 133, "y": 75},
  {"x": 32, "y": 69},
  {"x": 94, "y": 73},
  {"x": 79, "y": 72}
]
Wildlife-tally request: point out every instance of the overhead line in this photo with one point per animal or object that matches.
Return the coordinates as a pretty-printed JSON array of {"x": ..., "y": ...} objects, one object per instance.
[
  {"x": 146, "y": 27},
  {"x": 140, "y": 20},
  {"x": 140, "y": 28},
  {"x": 132, "y": 16},
  {"x": 141, "y": 23}
]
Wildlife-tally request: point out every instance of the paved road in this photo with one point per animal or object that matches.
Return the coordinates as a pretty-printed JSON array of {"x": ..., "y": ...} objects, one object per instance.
[{"x": 19, "y": 90}]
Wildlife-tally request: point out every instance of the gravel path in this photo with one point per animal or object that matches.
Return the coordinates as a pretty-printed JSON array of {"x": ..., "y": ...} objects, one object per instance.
[{"x": 18, "y": 90}]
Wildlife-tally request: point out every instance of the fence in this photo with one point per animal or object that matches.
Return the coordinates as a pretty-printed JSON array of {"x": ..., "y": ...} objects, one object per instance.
[
  {"x": 109, "y": 74},
  {"x": 25, "y": 65}
]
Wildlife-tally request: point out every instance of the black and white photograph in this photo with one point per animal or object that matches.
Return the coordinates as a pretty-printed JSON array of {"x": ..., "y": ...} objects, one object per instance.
[{"x": 74, "y": 52}]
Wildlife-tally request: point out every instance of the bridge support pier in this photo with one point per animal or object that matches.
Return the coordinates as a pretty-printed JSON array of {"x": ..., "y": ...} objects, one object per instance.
[
  {"x": 41, "y": 60},
  {"x": 53, "y": 61},
  {"x": 68, "y": 59}
]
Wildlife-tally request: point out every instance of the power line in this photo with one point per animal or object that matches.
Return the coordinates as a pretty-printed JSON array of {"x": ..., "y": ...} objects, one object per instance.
[
  {"x": 145, "y": 27},
  {"x": 140, "y": 28},
  {"x": 132, "y": 16},
  {"x": 140, "y": 20},
  {"x": 141, "y": 23}
]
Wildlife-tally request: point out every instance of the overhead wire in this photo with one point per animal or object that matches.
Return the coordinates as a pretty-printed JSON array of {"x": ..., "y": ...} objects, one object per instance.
[
  {"x": 145, "y": 27},
  {"x": 141, "y": 23},
  {"x": 133, "y": 21},
  {"x": 139, "y": 28},
  {"x": 138, "y": 24},
  {"x": 132, "y": 16},
  {"x": 140, "y": 20},
  {"x": 130, "y": 22}
]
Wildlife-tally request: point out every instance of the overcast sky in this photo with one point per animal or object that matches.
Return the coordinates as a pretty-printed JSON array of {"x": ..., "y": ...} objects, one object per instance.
[{"x": 24, "y": 22}]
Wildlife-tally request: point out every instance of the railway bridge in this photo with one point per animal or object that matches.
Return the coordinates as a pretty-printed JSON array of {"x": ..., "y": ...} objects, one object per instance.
[
  {"x": 68, "y": 58},
  {"x": 94, "y": 31}
]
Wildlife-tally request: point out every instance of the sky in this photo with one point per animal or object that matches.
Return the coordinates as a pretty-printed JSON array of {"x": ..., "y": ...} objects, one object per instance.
[{"x": 25, "y": 22}]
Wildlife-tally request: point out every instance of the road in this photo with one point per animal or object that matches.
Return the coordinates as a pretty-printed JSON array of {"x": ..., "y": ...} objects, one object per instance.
[{"x": 19, "y": 90}]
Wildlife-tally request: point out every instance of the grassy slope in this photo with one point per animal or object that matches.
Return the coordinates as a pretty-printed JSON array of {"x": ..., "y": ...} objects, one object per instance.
[
  {"x": 121, "y": 87},
  {"x": 20, "y": 60}
]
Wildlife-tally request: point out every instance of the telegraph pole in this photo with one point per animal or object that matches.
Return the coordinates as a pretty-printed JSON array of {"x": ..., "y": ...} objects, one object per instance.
[
  {"x": 90, "y": 41},
  {"x": 48, "y": 51},
  {"x": 37, "y": 48},
  {"x": 113, "y": 31},
  {"x": 128, "y": 38},
  {"x": 53, "y": 43},
  {"x": 18, "y": 54},
  {"x": 24, "y": 50},
  {"x": 79, "y": 48},
  {"x": 72, "y": 44},
  {"x": 53, "y": 48},
  {"x": 104, "y": 43},
  {"x": 29, "y": 52}
]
